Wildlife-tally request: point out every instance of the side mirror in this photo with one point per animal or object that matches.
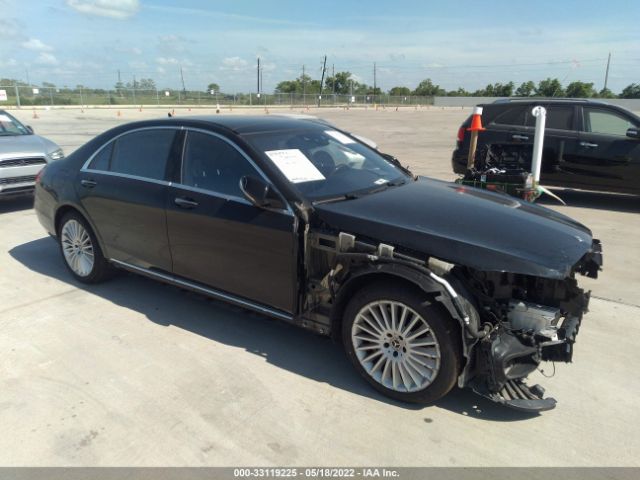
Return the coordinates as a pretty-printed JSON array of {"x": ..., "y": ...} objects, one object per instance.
[
  {"x": 29, "y": 128},
  {"x": 260, "y": 193},
  {"x": 633, "y": 133}
]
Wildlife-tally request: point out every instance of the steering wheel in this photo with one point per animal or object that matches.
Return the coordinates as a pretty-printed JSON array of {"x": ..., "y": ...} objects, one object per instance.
[{"x": 340, "y": 168}]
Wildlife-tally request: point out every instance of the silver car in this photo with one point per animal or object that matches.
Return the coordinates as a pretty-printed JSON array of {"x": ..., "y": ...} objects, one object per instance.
[{"x": 22, "y": 155}]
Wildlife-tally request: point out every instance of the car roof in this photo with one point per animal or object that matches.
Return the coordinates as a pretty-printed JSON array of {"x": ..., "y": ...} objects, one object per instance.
[
  {"x": 247, "y": 124},
  {"x": 546, "y": 100}
]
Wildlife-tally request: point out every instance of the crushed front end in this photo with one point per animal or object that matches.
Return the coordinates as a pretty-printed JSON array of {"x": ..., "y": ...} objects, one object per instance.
[{"x": 528, "y": 320}]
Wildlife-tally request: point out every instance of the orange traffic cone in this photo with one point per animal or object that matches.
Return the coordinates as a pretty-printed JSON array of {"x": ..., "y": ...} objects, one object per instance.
[
  {"x": 475, "y": 129},
  {"x": 35, "y": 115},
  {"x": 476, "y": 121},
  {"x": 119, "y": 114}
]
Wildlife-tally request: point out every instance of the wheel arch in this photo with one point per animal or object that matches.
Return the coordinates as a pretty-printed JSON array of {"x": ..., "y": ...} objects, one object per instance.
[
  {"x": 366, "y": 276},
  {"x": 66, "y": 208}
]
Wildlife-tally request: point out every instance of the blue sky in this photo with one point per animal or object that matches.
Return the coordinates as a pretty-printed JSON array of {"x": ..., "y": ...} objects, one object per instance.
[{"x": 455, "y": 43}]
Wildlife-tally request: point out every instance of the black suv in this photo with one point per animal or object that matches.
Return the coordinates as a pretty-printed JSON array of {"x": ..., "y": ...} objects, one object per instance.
[{"x": 588, "y": 144}]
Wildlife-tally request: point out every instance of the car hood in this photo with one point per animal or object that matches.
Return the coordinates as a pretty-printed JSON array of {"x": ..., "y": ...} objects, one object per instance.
[
  {"x": 19, "y": 145},
  {"x": 466, "y": 226}
]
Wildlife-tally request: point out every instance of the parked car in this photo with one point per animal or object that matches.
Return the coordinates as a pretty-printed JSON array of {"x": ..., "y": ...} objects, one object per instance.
[
  {"x": 427, "y": 284},
  {"x": 22, "y": 155},
  {"x": 588, "y": 144}
]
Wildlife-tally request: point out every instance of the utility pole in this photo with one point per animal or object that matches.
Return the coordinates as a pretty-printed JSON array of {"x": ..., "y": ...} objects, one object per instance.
[
  {"x": 333, "y": 77},
  {"x": 134, "y": 89},
  {"x": 374, "y": 79},
  {"x": 27, "y": 72},
  {"x": 606, "y": 75},
  {"x": 184, "y": 90},
  {"x": 324, "y": 68},
  {"x": 304, "y": 86},
  {"x": 258, "y": 78}
]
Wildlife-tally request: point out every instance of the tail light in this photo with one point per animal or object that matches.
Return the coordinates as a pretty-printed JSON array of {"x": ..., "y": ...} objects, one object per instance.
[
  {"x": 461, "y": 134},
  {"x": 39, "y": 176}
]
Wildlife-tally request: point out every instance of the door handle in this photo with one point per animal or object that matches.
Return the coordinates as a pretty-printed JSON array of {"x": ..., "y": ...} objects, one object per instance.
[
  {"x": 519, "y": 137},
  {"x": 588, "y": 145},
  {"x": 184, "y": 202},
  {"x": 88, "y": 183}
]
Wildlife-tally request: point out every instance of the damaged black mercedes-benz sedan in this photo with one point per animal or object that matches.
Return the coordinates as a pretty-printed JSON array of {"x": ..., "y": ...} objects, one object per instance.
[{"x": 427, "y": 284}]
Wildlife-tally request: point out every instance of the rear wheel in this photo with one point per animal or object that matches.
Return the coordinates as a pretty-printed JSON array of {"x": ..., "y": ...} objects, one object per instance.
[
  {"x": 81, "y": 251},
  {"x": 401, "y": 343}
]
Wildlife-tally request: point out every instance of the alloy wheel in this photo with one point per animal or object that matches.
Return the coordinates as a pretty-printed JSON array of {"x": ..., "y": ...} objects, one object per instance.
[
  {"x": 77, "y": 248},
  {"x": 395, "y": 346}
]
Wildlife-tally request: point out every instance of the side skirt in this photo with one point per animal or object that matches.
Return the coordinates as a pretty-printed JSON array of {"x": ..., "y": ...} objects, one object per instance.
[{"x": 218, "y": 295}]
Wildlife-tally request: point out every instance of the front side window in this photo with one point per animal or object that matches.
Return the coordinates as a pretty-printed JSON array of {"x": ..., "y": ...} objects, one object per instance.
[
  {"x": 211, "y": 163},
  {"x": 608, "y": 123},
  {"x": 327, "y": 163},
  {"x": 143, "y": 153}
]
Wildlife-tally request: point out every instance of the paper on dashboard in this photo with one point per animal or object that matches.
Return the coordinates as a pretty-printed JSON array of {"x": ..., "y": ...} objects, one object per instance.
[{"x": 295, "y": 165}]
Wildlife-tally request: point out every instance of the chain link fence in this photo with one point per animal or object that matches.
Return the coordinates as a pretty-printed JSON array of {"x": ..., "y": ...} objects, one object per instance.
[{"x": 29, "y": 96}]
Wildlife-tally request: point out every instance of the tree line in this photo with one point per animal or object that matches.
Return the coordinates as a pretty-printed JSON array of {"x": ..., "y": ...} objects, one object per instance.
[{"x": 344, "y": 84}]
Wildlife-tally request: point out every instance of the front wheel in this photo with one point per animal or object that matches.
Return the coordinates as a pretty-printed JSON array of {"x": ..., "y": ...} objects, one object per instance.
[{"x": 401, "y": 343}]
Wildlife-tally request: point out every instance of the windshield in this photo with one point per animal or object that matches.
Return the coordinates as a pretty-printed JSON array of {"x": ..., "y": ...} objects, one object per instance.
[
  {"x": 11, "y": 126},
  {"x": 325, "y": 164}
]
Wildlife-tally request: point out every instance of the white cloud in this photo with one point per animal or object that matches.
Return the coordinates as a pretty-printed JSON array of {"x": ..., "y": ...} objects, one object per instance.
[
  {"x": 235, "y": 64},
  {"x": 167, "y": 61},
  {"x": 46, "y": 59},
  {"x": 106, "y": 8},
  {"x": 11, "y": 28},
  {"x": 37, "y": 45},
  {"x": 9, "y": 63}
]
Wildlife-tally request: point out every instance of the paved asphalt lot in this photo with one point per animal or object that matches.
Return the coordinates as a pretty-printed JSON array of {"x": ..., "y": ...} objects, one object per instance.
[{"x": 133, "y": 372}]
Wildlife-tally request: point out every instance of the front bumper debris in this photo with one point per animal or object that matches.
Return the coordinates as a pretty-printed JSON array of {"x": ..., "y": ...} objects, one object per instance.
[{"x": 519, "y": 396}]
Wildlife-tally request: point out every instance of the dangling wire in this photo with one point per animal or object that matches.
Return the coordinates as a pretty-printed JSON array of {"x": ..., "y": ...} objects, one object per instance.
[{"x": 548, "y": 376}]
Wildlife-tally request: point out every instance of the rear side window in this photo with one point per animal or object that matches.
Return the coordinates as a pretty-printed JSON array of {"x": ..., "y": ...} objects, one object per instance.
[
  {"x": 213, "y": 164},
  {"x": 143, "y": 154},
  {"x": 103, "y": 158},
  {"x": 516, "y": 115},
  {"x": 559, "y": 117},
  {"x": 605, "y": 122}
]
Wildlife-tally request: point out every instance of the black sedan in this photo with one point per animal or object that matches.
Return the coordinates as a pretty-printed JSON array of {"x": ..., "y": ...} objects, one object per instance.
[{"x": 427, "y": 284}]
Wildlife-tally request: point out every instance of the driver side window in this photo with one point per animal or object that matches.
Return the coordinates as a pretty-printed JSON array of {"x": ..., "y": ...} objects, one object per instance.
[
  {"x": 212, "y": 164},
  {"x": 608, "y": 123}
]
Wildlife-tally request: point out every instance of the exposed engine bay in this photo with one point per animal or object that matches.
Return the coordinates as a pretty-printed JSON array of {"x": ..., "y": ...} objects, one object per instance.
[
  {"x": 502, "y": 167},
  {"x": 509, "y": 323}
]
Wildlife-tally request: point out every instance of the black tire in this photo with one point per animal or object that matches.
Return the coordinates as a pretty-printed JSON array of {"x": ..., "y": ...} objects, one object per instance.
[
  {"x": 101, "y": 269},
  {"x": 442, "y": 326}
]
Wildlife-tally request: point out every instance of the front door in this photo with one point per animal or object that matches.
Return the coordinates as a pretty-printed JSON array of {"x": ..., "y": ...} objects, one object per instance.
[
  {"x": 218, "y": 238},
  {"x": 606, "y": 158}
]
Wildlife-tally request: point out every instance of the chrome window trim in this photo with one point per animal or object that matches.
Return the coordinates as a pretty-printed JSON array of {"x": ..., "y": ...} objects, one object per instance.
[
  {"x": 130, "y": 177},
  {"x": 206, "y": 290},
  {"x": 211, "y": 193}
]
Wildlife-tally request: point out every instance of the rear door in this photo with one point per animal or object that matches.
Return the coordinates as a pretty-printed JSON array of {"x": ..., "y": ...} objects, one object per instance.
[
  {"x": 123, "y": 188},
  {"x": 220, "y": 239},
  {"x": 560, "y": 142}
]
